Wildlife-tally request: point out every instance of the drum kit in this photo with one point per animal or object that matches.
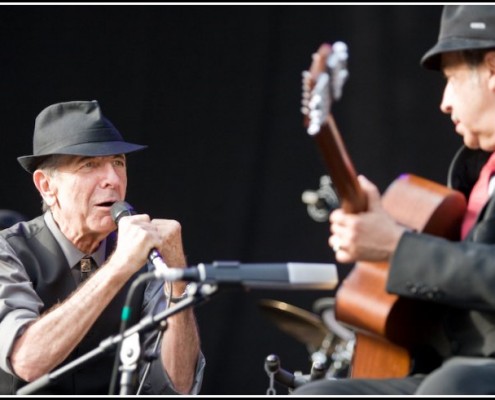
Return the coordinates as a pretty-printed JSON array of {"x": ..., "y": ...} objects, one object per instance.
[{"x": 329, "y": 344}]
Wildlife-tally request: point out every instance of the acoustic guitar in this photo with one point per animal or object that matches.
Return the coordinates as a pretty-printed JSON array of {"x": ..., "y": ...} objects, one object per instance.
[{"x": 385, "y": 325}]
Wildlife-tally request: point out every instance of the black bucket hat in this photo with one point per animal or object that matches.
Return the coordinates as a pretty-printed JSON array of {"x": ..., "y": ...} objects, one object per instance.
[
  {"x": 74, "y": 128},
  {"x": 466, "y": 27}
]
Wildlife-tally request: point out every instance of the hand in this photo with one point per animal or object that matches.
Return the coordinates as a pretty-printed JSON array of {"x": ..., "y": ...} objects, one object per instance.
[
  {"x": 367, "y": 236},
  {"x": 171, "y": 250},
  {"x": 137, "y": 236},
  {"x": 170, "y": 235}
]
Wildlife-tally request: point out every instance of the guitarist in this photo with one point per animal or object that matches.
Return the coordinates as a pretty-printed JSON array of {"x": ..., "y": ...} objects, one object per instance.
[{"x": 457, "y": 276}]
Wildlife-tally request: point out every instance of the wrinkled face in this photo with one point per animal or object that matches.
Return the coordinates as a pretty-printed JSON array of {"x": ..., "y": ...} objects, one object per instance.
[
  {"x": 82, "y": 191},
  {"x": 469, "y": 97}
]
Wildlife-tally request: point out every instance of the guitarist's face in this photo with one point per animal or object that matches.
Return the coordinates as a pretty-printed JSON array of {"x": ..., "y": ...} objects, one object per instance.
[{"x": 469, "y": 98}]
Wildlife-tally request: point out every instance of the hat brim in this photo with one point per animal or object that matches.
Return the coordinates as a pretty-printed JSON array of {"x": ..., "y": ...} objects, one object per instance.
[
  {"x": 432, "y": 58},
  {"x": 99, "y": 149}
]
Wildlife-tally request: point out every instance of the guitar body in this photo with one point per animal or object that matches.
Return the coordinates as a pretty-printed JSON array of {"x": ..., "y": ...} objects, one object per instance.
[{"x": 387, "y": 326}]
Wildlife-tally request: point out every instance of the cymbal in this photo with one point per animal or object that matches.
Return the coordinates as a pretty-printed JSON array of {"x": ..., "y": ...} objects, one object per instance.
[{"x": 303, "y": 325}]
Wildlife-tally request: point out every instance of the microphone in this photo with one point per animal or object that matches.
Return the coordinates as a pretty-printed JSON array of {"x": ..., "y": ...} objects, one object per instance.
[
  {"x": 291, "y": 275},
  {"x": 121, "y": 209}
]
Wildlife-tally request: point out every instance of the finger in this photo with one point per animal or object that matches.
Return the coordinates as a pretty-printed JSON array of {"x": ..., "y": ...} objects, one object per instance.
[
  {"x": 335, "y": 243},
  {"x": 372, "y": 192}
]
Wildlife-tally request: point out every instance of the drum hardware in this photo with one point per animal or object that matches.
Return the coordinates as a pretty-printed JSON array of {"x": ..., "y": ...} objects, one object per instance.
[
  {"x": 329, "y": 344},
  {"x": 341, "y": 356},
  {"x": 288, "y": 379}
]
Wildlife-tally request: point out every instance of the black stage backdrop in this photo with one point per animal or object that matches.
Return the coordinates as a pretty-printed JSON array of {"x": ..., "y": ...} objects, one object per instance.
[{"x": 215, "y": 92}]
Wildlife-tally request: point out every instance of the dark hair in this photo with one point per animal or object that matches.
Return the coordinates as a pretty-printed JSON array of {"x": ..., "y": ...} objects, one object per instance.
[{"x": 474, "y": 57}]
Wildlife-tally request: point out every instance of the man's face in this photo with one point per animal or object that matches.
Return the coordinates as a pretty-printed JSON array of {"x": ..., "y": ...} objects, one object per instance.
[
  {"x": 469, "y": 97},
  {"x": 84, "y": 190}
]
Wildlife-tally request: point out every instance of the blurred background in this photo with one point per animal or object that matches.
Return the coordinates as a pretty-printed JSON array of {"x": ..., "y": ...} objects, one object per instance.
[{"x": 215, "y": 92}]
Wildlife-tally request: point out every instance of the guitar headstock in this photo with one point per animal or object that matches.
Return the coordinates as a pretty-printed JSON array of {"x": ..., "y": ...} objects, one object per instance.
[{"x": 323, "y": 83}]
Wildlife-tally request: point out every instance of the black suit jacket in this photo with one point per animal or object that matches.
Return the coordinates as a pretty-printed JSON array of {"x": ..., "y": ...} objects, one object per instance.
[{"x": 457, "y": 279}]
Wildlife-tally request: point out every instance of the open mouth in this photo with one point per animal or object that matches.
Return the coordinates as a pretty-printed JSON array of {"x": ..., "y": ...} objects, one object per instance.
[{"x": 106, "y": 204}]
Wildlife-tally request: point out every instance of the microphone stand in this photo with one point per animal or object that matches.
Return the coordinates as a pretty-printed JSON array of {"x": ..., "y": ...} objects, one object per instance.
[
  {"x": 196, "y": 295},
  {"x": 129, "y": 357}
]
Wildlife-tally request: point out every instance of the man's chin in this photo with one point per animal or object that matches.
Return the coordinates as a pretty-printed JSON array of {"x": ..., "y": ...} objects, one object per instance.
[
  {"x": 472, "y": 144},
  {"x": 105, "y": 224}
]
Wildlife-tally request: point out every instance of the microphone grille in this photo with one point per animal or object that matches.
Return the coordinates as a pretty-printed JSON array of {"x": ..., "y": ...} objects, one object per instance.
[{"x": 121, "y": 209}]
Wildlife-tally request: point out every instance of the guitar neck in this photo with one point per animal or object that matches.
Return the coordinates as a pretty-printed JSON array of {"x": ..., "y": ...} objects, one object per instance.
[{"x": 340, "y": 167}]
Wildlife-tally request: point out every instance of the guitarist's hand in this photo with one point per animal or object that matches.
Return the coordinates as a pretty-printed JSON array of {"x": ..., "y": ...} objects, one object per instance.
[{"x": 367, "y": 236}]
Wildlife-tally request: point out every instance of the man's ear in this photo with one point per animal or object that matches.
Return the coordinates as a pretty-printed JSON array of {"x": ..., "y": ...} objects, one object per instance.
[
  {"x": 45, "y": 186},
  {"x": 490, "y": 62}
]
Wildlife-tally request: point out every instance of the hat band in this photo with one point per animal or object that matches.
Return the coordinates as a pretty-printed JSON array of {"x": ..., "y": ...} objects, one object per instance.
[{"x": 88, "y": 135}]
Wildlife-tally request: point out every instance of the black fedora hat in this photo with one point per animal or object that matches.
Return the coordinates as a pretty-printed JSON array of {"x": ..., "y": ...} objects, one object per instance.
[
  {"x": 466, "y": 27},
  {"x": 74, "y": 128}
]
